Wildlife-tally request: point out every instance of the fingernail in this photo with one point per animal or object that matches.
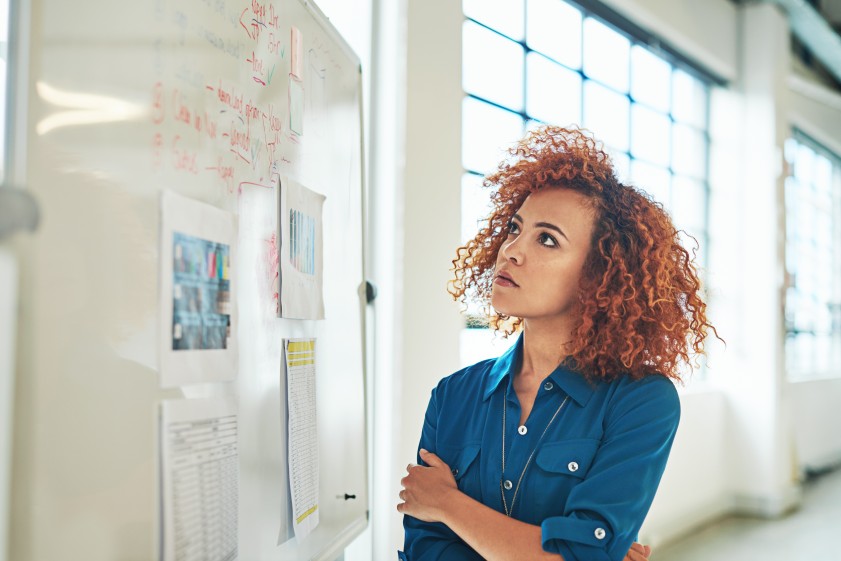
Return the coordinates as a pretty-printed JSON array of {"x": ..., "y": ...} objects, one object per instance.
[{"x": 423, "y": 451}]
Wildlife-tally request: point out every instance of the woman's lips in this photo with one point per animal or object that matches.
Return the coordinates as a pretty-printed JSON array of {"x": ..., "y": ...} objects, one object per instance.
[{"x": 502, "y": 279}]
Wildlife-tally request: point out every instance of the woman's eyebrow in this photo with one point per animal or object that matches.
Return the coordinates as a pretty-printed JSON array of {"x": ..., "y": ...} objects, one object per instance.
[{"x": 551, "y": 227}]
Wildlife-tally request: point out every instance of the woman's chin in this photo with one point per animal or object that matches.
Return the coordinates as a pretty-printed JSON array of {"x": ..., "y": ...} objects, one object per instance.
[{"x": 500, "y": 307}]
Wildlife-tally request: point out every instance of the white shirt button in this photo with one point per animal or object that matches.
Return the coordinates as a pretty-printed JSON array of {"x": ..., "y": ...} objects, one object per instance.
[
  {"x": 522, "y": 429},
  {"x": 548, "y": 386},
  {"x": 507, "y": 484},
  {"x": 572, "y": 466},
  {"x": 599, "y": 533}
]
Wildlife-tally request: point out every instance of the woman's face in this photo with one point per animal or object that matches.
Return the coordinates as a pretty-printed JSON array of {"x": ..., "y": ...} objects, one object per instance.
[{"x": 539, "y": 264}]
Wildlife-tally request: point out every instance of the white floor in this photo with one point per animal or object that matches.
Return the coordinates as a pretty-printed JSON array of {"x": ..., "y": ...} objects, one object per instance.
[{"x": 808, "y": 534}]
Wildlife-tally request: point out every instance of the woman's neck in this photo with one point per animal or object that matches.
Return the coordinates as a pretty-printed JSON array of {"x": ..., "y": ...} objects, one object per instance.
[{"x": 543, "y": 348}]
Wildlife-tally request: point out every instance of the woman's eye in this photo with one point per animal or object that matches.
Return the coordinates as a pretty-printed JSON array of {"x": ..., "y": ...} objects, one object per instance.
[
  {"x": 547, "y": 240},
  {"x": 513, "y": 228}
]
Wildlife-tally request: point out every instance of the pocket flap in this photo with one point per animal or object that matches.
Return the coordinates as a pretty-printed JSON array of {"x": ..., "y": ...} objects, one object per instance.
[
  {"x": 459, "y": 459},
  {"x": 572, "y": 457}
]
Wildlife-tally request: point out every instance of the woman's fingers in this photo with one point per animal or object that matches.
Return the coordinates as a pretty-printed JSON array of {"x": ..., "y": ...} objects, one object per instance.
[{"x": 638, "y": 552}]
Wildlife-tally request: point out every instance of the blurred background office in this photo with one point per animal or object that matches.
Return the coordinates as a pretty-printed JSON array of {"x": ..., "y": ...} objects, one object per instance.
[{"x": 729, "y": 113}]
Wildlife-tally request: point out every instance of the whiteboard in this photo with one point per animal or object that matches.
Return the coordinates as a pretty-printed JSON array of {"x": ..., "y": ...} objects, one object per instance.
[{"x": 130, "y": 99}]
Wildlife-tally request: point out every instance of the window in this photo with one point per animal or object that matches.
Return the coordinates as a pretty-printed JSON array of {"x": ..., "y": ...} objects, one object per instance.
[
  {"x": 813, "y": 260},
  {"x": 527, "y": 62}
]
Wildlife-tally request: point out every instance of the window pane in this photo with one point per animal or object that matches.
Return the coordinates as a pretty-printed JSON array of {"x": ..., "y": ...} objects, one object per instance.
[
  {"x": 653, "y": 180},
  {"x": 689, "y": 99},
  {"x": 803, "y": 166},
  {"x": 485, "y": 54},
  {"x": 487, "y": 131},
  {"x": 650, "y": 78},
  {"x": 554, "y": 28},
  {"x": 506, "y": 16},
  {"x": 621, "y": 165},
  {"x": 689, "y": 203},
  {"x": 822, "y": 177},
  {"x": 606, "y": 55},
  {"x": 689, "y": 151},
  {"x": 650, "y": 132},
  {"x": 813, "y": 260},
  {"x": 553, "y": 93},
  {"x": 606, "y": 114},
  {"x": 475, "y": 206}
]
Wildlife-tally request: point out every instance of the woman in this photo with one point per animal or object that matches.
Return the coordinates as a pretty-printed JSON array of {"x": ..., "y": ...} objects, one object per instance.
[{"x": 555, "y": 449}]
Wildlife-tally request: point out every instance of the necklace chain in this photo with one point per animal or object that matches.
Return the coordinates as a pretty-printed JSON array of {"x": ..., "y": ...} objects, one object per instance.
[{"x": 508, "y": 512}]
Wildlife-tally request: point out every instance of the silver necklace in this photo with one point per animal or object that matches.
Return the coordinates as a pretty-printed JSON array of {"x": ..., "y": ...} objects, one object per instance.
[{"x": 508, "y": 511}]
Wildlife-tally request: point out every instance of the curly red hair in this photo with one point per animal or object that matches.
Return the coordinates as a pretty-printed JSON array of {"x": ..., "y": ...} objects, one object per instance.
[{"x": 639, "y": 294}]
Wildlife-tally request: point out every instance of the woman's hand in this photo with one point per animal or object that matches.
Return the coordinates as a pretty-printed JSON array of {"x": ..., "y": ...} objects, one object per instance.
[
  {"x": 425, "y": 489},
  {"x": 638, "y": 552}
]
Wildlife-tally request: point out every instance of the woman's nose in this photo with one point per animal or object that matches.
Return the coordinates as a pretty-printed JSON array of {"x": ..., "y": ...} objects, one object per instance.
[{"x": 512, "y": 252}]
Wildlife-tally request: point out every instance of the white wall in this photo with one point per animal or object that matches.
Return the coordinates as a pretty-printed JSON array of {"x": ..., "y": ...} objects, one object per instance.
[{"x": 679, "y": 507}]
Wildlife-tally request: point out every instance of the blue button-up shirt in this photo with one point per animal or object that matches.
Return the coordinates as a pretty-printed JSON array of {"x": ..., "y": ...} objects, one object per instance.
[{"x": 592, "y": 477}]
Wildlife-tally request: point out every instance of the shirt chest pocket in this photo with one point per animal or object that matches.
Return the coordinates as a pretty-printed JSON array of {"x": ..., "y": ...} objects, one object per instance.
[
  {"x": 568, "y": 457},
  {"x": 560, "y": 466},
  {"x": 464, "y": 465}
]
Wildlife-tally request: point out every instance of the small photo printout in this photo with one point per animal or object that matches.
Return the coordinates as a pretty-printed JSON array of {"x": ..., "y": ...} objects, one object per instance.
[
  {"x": 201, "y": 294},
  {"x": 197, "y": 281},
  {"x": 300, "y": 256}
]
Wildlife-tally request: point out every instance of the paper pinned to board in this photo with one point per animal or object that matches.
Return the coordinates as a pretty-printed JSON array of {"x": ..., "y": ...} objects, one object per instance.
[
  {"x": 197, "y": 309},
  {"x": 296, "y": 107},
  {"x": 300, "y": 257},
  {"x": 303, "y": 436},
  {"x": 199, "y": 479},
  {"x": 297, "y": 55}
]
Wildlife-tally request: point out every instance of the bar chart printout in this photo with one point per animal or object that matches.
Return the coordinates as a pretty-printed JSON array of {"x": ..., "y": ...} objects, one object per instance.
[
  {"x": 303, "y": 438},
  {"x": 200, "y": 479}
]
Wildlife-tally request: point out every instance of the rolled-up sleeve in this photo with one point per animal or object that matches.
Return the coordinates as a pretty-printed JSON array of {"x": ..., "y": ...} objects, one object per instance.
[
  {"x": 433, "y": 541},
  {"x": 605, "y": 511}
]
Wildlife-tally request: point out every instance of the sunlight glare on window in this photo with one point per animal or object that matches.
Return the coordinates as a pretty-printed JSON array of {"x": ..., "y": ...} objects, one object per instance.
[
  {"x": 621, "y": 165},
  {"x": 606, "y": 55},
  {"x": 492, "y": 66},
  {"x": 689, "y": 151},
  {"x": 650, "y": 135},
  {"x": 650, "y": 79},
  {"x": 688, "y": 204},
  {"x": 813, "y": 260},
  {"x": 553, "y": 28},
  {"x": 487, "y": 132},
  {"x": 475, "y": 206},
  {"x": 606, "y": 114},
  {"x": 506, "y": 16},
  {"x": 689, "y": 99},
  {"x": 553, "y": 93},
  {"x": 654, "y": 180}
]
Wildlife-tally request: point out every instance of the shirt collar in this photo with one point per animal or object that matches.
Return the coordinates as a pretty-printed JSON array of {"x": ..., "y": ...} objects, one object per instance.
[{"x": 571, "y": 382}]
